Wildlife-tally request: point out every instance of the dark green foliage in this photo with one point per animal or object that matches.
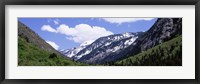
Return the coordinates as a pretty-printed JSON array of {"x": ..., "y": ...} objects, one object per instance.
[
  {"x": 30, "y": 55},
  {"x": 165, "y": 54},
  {"x": 53, "y": 55}
]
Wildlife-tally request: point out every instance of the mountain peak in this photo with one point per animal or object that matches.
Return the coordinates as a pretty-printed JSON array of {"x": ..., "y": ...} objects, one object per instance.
[
  {"x": 127, "y": 34},
  {"x": 87, "y": 42}
]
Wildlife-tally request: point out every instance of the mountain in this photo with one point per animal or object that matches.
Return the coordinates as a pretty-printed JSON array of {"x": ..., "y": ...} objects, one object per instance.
[
  {"x": 72, "y": 52},
  {"x": 163, "y": 30},
  {"x": 168, "y": 53},
  {"x": 120, "y": 46},
  {"x": 101, "y": 50},
  {"x": 34, "y": 51},
  {"x": 108, "y": 48}
]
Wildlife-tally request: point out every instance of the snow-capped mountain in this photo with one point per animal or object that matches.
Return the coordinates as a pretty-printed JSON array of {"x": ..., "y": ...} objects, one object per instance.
[
  {"x": 106, "y": 49},
  {"x": 72, "y": 52},
  {"x": 96, "y": 51},
  {"x": 87, "y": 43}
]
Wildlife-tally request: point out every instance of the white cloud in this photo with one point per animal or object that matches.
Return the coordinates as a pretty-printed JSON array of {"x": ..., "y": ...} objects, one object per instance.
[
  {"x": 80, "y": 33},
  {"x": 124, "y": 20},
  {"x": 64, "y": 29},
  {"x": 83, "y": 32},
  {"x": 48, "y": 28},
  {"x": 56, "y": 21},
  {"x": 53, "y": 44}
]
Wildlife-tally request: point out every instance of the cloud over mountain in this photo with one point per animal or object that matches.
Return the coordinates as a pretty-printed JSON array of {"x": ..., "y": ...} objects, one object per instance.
[{"x": 80, "y": 33}]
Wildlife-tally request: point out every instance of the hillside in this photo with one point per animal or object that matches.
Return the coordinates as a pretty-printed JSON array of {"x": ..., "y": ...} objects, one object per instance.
[
  {"x": 31, "y": 37},
  {"x": 165, "y": 54},
  {"x": 34, "y": 51}
]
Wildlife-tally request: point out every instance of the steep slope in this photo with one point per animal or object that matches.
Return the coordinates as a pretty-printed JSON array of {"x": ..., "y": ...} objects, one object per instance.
[
  {"x": 32, "y": 37},
  {"x": 102, "y": 49},
  {"x": 164, "y": 29},
  {"x": 34, "y": 51},
  {"x": 165, "y": 54}
]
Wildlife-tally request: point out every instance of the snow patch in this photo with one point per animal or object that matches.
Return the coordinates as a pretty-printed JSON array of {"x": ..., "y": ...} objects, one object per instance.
[
  {"x": 127, "y": 34},
  {"x": 87, "y": 42},
  {"x": 116, "y": 48},
  {"x": 86, "y": 52},
  {"x": 107, "y": 43},
  {"x": 130, "y": 41}
]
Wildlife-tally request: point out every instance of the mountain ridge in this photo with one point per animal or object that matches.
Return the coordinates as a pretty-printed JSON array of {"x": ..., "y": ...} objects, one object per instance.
[{"x": 101, "y": 42}]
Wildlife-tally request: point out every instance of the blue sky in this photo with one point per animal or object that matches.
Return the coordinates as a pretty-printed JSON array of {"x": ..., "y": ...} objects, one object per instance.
[{"x": 66, "y": 33}]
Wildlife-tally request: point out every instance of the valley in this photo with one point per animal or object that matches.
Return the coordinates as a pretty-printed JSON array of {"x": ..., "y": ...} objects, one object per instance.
[{"x": 161, "y": 45}]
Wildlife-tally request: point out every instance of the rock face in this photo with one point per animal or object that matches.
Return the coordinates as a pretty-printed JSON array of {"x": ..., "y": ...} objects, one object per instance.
[
  {"x": 163, "y": 30},
  {"x": 33, "y": 38},
  {"x": 119, "y": 46}
]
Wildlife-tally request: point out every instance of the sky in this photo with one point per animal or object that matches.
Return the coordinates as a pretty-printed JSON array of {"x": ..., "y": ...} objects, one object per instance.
[{"x": 66, "y": 33}]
